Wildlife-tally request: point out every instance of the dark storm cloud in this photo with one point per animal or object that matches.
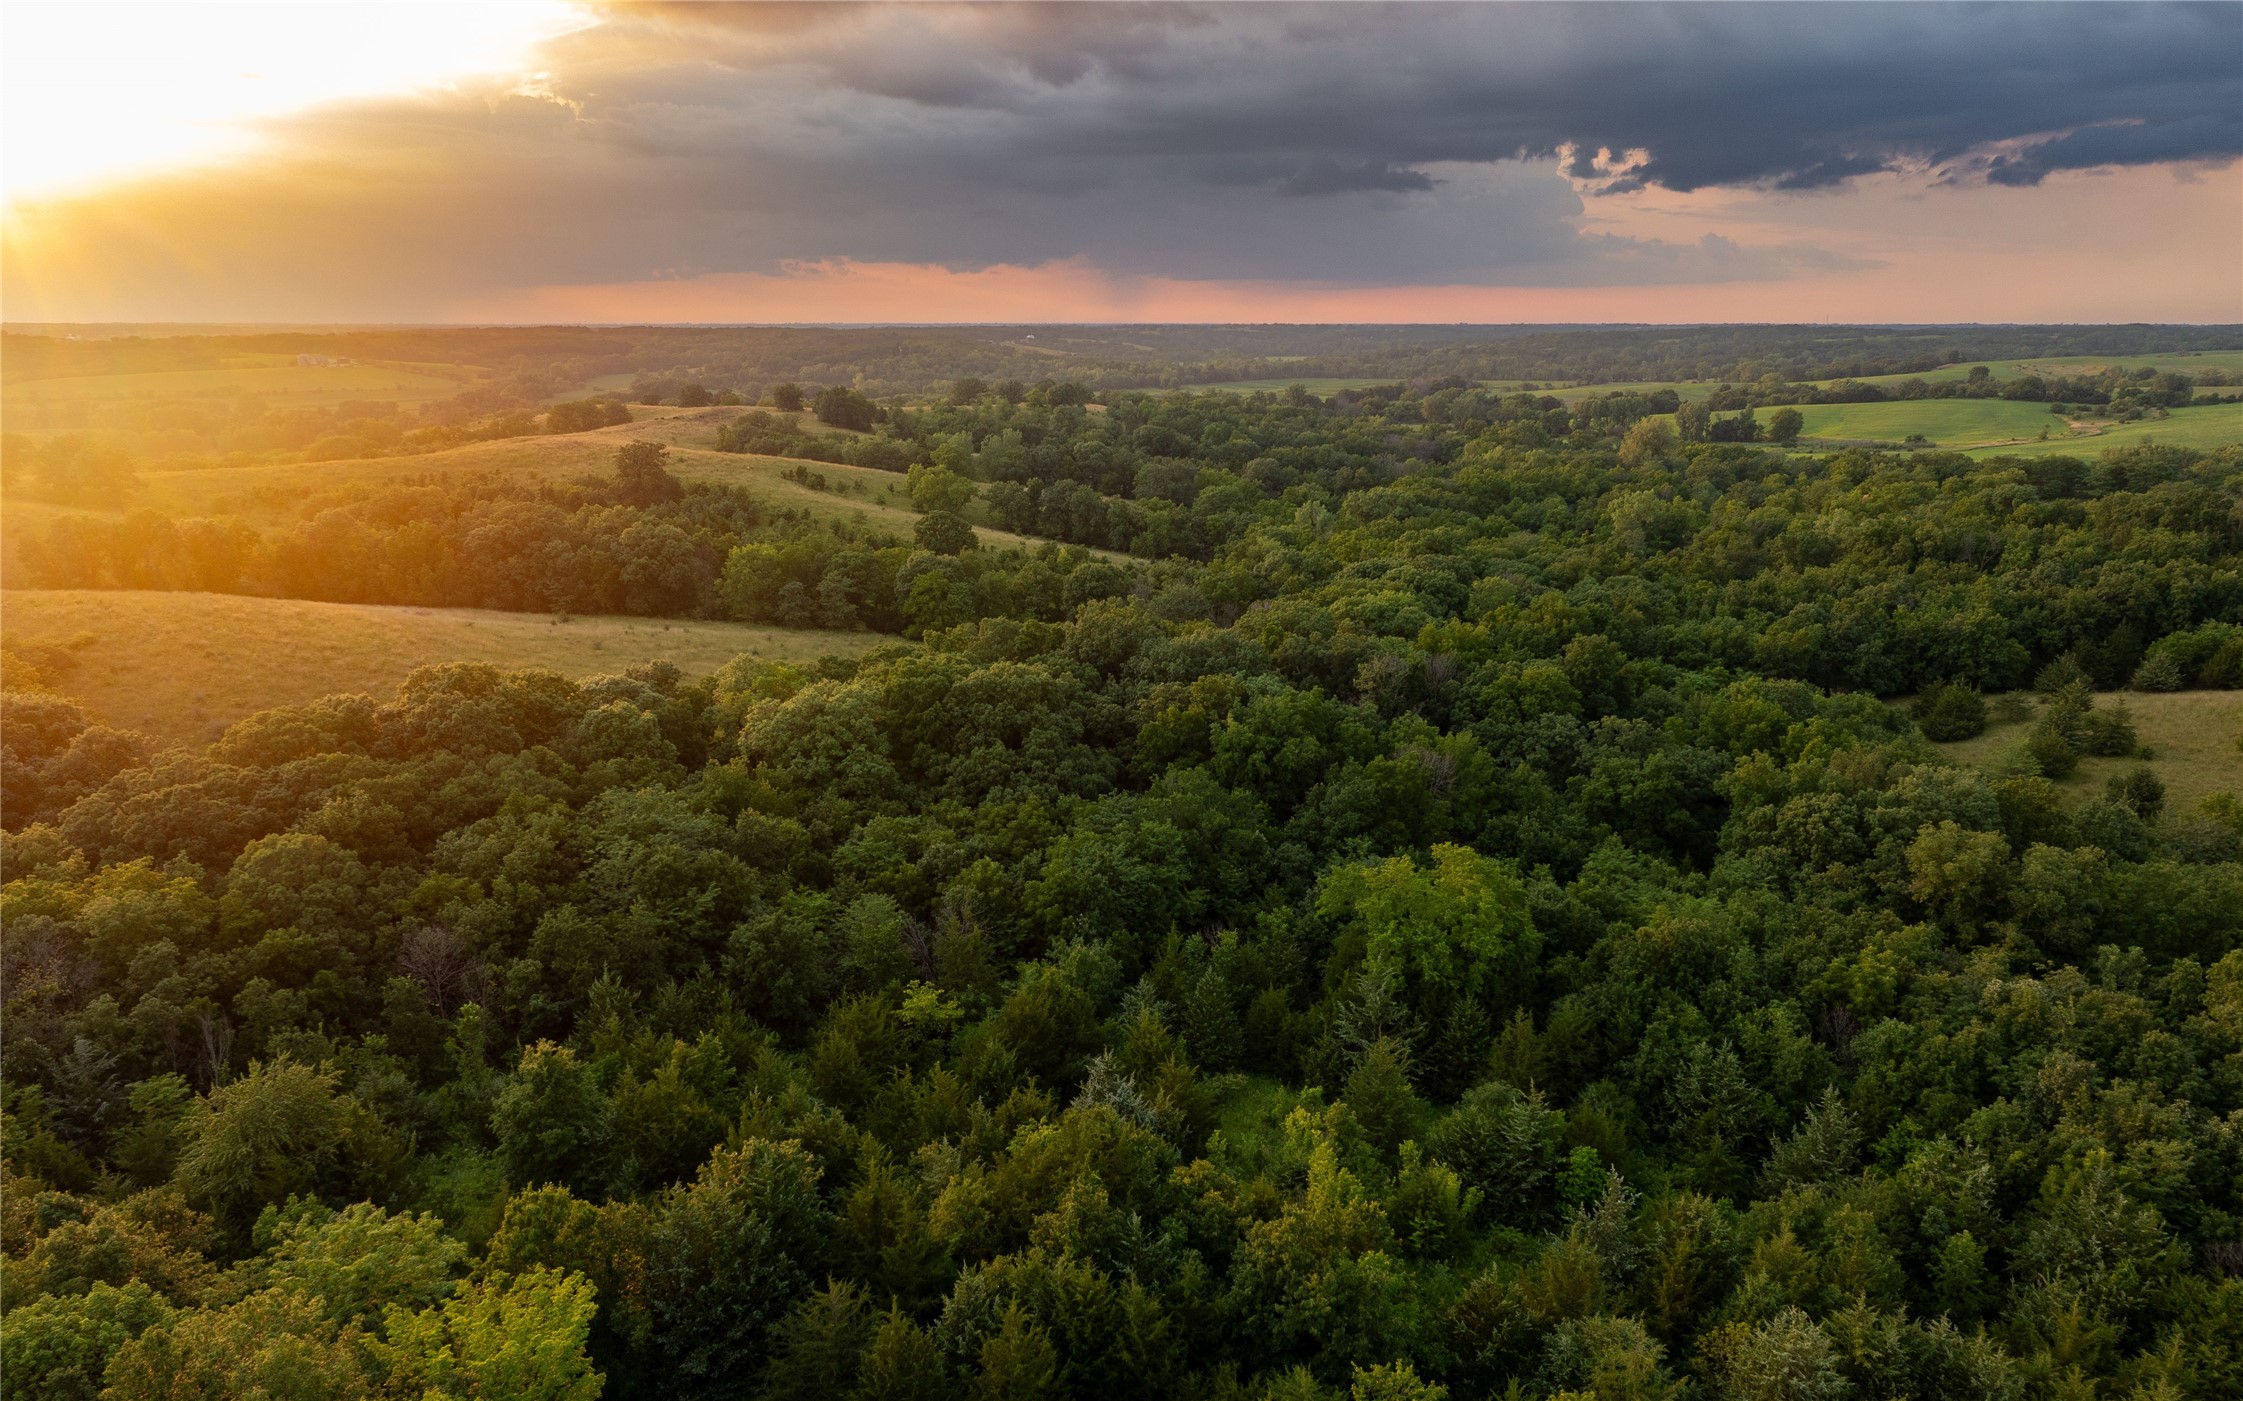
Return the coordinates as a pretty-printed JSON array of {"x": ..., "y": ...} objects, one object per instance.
[
  {"x": 1368, "y": 145},
  {"x": 2205, "y": 136},
  {"x": 1785, "y": 96},
  {"x": 1202, "y": 140}
]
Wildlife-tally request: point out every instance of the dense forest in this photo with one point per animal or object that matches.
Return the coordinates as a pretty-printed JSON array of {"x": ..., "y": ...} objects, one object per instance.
[{"x": 1453, "y": 908}]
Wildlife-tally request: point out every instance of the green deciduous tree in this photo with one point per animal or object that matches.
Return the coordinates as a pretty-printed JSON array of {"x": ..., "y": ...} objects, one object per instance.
[
  {"x": 553, "y": 1122},
  {"x": 504, "y": 1338}
]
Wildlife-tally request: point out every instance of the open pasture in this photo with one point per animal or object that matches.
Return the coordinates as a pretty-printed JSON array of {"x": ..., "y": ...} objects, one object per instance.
[
  {"x": 1951, "y": 423},
  {"x": 183, "y": 666},
  {"x": 2191, "y": 734},
  {"x": 276, "y": 494},
  {"x": 2210, "y": 426},
  {"x": 89, "y": 401}
]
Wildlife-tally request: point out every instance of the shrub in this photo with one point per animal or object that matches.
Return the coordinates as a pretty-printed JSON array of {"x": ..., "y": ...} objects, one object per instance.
[
  {"x": 1950, "y": 710},
  {"x": 2051, "y": 751},
  {"x": 2058, "y": 674},
  {"x": 2159, "y": 671},
  {"x": 2109, "y": 733},
  {"x": 943, "y": 532},
  {"x": 846, "y": 408},
  {"x": 2223, "y": 671},
  {"x": 2112, "y": 658},
  {"x": 2140, "y": 791},
  {"x": 2115, "y": 829}
]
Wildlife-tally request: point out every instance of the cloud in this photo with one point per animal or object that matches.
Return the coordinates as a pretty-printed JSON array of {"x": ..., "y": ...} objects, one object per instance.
[
  {"x": 1343, "y": 145},
  {"x": 1791, "y": 96},
  {"x": 2204, "y": 136},
  {"x": 1330, "y": 177}
]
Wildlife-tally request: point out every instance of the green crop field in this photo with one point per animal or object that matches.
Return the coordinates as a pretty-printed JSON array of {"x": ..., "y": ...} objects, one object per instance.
[
  {"x": 2191, "y": 734},
  {"x": 1947, "y": 422},
  {"x": 2211, "y": 426},
  {"x": 183, "y": 666},
  {"x": 79, "y": 402}
]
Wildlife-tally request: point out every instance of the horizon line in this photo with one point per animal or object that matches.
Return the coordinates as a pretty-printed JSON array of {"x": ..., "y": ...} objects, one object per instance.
[{"x": 33, "y": 327}]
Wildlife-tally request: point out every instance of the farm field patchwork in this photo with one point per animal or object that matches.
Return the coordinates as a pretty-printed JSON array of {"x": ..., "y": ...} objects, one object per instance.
[{"x": 183, "y": 666}]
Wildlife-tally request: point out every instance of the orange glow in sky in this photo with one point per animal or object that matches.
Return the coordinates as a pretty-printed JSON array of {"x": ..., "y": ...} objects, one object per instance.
[
  {"x": 1964, "y": 267},
  {"x": 93, "y": 91}
]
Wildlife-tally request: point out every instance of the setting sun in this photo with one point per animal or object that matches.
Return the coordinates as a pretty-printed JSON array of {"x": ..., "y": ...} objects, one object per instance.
[{"x": 94, "y": 92}]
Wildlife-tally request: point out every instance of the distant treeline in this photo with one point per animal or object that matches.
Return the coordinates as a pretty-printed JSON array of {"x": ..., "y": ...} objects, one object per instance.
[
  {"x": 2117, "y": 389},
  {"x": 1745, "y": 354},
  {"x": 892, "y": 360}
]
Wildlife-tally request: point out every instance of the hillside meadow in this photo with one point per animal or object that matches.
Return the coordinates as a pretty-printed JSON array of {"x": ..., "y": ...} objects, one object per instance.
[
  {"x": 87, "y": 401},
  {"x": 183, "y": 666},
  {"x": 2195, "y": 741},
  {"x": 278, "y": 493},
  {"x": 2205, "y": 427}
]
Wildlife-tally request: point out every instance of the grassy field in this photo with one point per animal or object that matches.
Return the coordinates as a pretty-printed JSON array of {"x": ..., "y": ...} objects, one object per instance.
[
  {"x": 183, "y": 666},
  {"x": 2192, "y": 733},
  {"x": 276, "y": 494},
  {"x": 58, "y": 405},
  {"x": 2211, "y": 426},
  {"x": 1947, "y": 422}
]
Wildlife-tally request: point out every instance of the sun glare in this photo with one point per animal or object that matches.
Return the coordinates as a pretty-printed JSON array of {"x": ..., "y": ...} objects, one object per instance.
[{"x": 97, "y": 92}]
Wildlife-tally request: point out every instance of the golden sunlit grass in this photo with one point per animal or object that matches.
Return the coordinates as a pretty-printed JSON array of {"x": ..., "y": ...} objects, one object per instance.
[
  {"x": 92, "y": 401},
  {"x": 275, "y": 494},
  {"x": 182, "y": 666},
  {"x": 2191, "y": 733}
]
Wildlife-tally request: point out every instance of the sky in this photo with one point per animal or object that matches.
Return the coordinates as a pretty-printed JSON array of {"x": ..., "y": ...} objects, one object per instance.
[{"x": 543, "y": 161}]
